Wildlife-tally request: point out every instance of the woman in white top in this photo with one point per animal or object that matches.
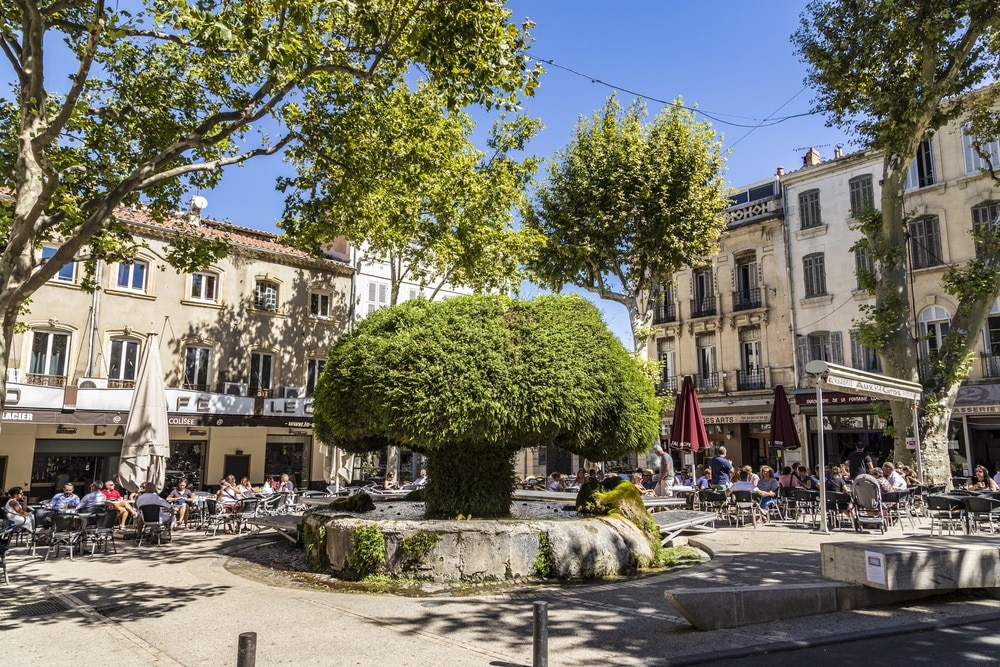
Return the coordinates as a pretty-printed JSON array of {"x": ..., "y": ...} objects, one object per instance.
[{"x": 16, "y": 511}]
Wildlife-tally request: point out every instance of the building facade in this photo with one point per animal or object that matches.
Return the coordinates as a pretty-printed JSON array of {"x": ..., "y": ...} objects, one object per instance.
[
  {"x": 728, "y": 324},
  {"x": 242, "y": 344},
  {"x": 947, "y": 195}
]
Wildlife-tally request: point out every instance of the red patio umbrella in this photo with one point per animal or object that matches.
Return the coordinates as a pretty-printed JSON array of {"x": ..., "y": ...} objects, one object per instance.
[
  {"x": 783, "y": 432},
  {"x": 688, "y": 429}
]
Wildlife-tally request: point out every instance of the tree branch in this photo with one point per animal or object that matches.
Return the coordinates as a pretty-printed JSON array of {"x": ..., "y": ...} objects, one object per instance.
[
  {"x": 12, "y": 50},
  {"x": 55, "y": 126},
  {"x": 215, "y": 164}
]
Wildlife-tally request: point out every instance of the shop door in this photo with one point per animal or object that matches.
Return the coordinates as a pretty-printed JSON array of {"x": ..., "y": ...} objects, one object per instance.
[{"x": 237, "y": 465}]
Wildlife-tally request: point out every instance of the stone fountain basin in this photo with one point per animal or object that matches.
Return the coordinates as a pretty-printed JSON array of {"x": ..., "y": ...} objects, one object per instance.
[{"x": 492, "y": 550}]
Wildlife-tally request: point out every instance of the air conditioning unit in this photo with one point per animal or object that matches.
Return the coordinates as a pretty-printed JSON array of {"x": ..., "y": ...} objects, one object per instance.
[
  {"x": 234, "y": 389},
  {"x": 92, "y": 383},
  {"x": 290, "y": 392}
]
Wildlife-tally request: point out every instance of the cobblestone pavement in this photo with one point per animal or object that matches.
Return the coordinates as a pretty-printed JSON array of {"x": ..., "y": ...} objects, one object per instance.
[{"x": 179, "y": 604}]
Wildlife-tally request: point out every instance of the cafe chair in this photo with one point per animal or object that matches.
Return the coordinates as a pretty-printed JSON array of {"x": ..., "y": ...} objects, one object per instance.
[
  {"x": 43, "y": 526},
  {"x": 153, "y": 525},
  {"x": 66, "y": 531},
  {"x": 946, "y": 512},
  {"x": 743, "y": 507},
  {"x": 981, "y": 512},
  {"x": 99, "y": 531},
  {"x": 5, "y": 536}
]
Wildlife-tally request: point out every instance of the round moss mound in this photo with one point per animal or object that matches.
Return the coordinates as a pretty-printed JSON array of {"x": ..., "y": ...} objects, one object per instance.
[{"x": 613, "y": 496}]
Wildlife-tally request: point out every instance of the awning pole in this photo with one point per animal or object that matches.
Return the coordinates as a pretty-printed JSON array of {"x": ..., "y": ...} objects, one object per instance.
[
  {"x": 824, "y": 527},
  {"x": 916, "y": 439}
]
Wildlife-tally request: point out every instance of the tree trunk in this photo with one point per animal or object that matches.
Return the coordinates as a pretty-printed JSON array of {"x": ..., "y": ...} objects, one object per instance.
[{"x": 469, "y": 481}]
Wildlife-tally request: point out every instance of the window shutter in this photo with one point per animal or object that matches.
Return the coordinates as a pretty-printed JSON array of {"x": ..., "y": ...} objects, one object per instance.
[
  {"x": 836, "y": 348},
  {"x": 857, "y": 353},
  {"x": 801, "y": 354}
]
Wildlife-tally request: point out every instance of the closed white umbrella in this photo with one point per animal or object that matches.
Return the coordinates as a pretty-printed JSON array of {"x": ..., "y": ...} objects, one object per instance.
[{"x": 146, "y": 445}]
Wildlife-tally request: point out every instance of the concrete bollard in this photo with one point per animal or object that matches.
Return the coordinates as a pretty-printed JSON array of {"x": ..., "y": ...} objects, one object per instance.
[
  {"x": 540, "y": 627},
  {"x": 246, "y": 655}
]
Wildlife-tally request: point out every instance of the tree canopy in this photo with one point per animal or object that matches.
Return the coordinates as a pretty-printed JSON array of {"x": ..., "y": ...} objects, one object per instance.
[
  {"x": 402, "y": 180},
  {"x": 472, "y": 380},
  {"x": 627, "y": 204},
  {"x": 139, "y": 102},
  {"x": 894, "y": 72}
]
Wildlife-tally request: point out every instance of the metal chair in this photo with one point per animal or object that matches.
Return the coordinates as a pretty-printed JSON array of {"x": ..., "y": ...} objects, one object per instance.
[
  {"x": 946, "y": 512},
  {"x": 981, "y": 510},
  {"x": 154, "y": 523},
  {"x": 99, "y": 531},
  {"x": 43, "y": 526},
  {"x": 744, "y": 506},
  {"x": 838, "y": 510},
  {"x": 215, "y": 518},
  {"x": 718, "y": 502},
  {"x": 246, "y": 509},
  {"x": 66, "y": 530},
  {"x": 5, "y": 537},
  {"x": 806, "y": 502}
]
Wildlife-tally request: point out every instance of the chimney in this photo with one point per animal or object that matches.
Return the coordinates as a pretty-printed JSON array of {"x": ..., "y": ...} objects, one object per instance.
[
  {"x": 780, "y": 172},
  {"x": 838, "y": 151},
  {"x": 811, "y": 158}
]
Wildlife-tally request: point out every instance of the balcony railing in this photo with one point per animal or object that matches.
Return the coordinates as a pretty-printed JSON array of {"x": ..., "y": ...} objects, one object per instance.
[
  {"x": 120, "y": 384},
  {"x": 706, "y": 381},
  {"x": 45, "y": 380},
  {"x": 196, "y": 387},
  {"x": 665, "y": 312},
  {"x": 991, "y": 365},
  {"x": 667, "y": 386},
  {"x": 704, "y": 307},
  {"x": 750, "y": 380},
  {"x": 746, "y": 299}
]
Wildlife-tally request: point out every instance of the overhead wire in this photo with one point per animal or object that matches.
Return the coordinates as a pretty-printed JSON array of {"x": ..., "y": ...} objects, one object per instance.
[{"x": 714, "y": 115}]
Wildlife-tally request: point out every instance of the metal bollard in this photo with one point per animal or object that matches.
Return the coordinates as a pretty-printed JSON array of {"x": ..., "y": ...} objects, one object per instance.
[
  {"x": 540, "y": 627},
  {"x": 246, "y": 655}
]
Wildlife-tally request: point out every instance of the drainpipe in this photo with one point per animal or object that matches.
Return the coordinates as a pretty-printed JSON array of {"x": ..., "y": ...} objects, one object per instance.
[
  {"x": 95, "y": 308},
  {"x": 786, "y": 238}
]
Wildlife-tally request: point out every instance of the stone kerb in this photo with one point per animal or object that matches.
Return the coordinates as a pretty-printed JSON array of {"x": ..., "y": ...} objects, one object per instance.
[{"x": 493, "y": 550}]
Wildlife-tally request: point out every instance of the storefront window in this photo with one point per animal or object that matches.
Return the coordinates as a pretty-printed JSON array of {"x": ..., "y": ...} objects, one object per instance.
[
  {"x": 289, "y": 458},
  {"x": 186, "y": 461}
]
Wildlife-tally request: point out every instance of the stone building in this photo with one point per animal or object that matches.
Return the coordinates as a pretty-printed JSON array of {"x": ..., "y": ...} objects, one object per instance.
[{"x": 241, "y": 343}]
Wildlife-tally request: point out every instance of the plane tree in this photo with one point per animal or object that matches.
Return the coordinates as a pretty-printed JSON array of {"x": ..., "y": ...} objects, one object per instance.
[
  {"x": 893, "y": 73},
  {"x": 138, "y": 103}
]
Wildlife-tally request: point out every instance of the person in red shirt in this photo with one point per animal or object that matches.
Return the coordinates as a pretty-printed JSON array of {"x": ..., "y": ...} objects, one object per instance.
[{"x": 115, "y": 500}]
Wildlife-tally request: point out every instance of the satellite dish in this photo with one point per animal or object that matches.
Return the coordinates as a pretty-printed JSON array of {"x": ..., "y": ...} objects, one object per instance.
[{"x": 198, "y": 203}]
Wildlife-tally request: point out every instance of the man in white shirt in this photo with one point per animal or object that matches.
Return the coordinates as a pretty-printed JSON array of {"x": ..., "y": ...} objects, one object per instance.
[{"x": 896, "y": 481}]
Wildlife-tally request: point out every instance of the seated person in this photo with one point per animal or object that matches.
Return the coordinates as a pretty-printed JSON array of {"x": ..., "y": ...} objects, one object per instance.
[
  {"x": 883, "y": 483},
  {"x": 149, "y": 496},
  {"x": 226, "y": 496},
  {"x": 637, "y": 481},
  {"x": 181, "y": 496},
  {"x": 113, "y": 498},
  {"x": 16, "y": 509},
  {"x": 554, "y": 482},
  {"x": 267, "y": 488},
  {"x": 767, "y": 487},
  {"x": 744, "y": 484},
  {"x": 836, "y": 482},
  {"x": 981, "y": 480},
  {"x": 705, "y": 480},
  {"x": 67, "y": 500},
  {"x": 286, "y": 485},
  {"x": 788, "y": 479},
  {"x": 421, "y": 480},
  {"x": 245, "y": 488},
  {"x": 94, "y": 500},
  {"x": 895, "y": 479},
  {"x": 388, "y": 483}
]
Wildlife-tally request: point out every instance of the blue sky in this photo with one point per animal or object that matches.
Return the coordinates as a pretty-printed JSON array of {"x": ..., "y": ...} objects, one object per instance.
[{"x": 731, "y": 58}]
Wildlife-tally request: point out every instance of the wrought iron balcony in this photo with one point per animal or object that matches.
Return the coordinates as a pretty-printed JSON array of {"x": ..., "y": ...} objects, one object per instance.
[
  {"x": 120, "y": 384},
  {"x": 196, "y": 387},
  {"x": 667, "y": 385},
  {"x": 750, "y": 380},
  {"x": 991, "y": 365},
  {"x": 706, "y": 307},
  {"x": 745, "y": 299},
  {"x": 706, "y": 381},
  {"x": 665, "y": 312},
  {"x": 45, "y": 380}
]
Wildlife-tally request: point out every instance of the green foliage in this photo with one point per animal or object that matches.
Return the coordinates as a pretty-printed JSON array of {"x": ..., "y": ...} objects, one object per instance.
[
  {"x": 417, "y": 495},
  {"x": 142, "y": 102},
  {"x": 629, "y": 203},
  {"x": 357, "y": 502},
  {"x": 477, "y": 379},
  {"x": 418, "y": 545},
  {"x": 367, "y": 551},
  {"x": 544, "y": 563},
  {"x": 314, "y": 543},
  {"x": 678, "y": 557}
]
